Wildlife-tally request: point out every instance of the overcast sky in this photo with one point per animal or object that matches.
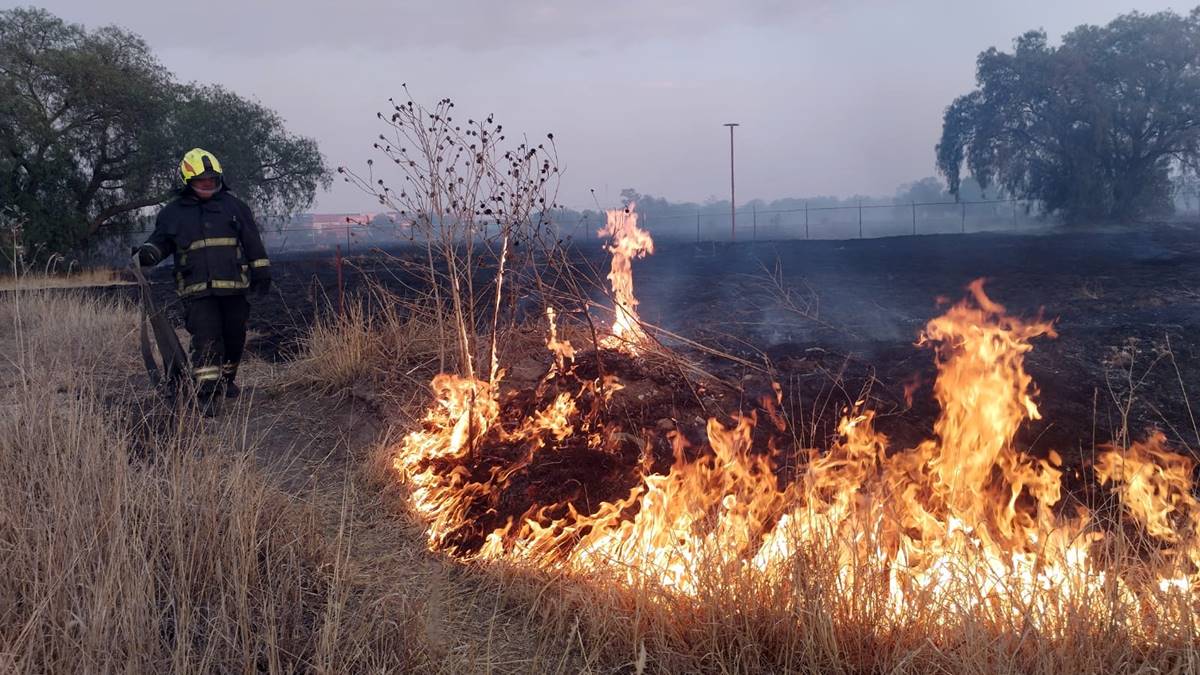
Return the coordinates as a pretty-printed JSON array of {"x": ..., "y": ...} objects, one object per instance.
[{"x": 833, "y": 98}]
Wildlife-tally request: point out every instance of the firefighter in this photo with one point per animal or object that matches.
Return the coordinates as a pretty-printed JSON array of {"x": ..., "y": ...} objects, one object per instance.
[{"x": 219, "y": 257}]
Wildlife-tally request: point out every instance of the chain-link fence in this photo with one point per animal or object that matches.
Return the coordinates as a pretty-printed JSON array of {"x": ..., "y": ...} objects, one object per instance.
[{"x": 855, "y": 221}]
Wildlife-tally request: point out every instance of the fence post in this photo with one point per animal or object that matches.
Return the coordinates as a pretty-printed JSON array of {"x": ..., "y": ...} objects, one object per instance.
[
  {"x": 754, "y": 215},
  {"x": 914, "y": 210},
  {"x": 964, "y": 217},
  {"x": 341, "y": 292},
  {"x": 860, "y": 219},
  {"x": 806, "y": 220}
]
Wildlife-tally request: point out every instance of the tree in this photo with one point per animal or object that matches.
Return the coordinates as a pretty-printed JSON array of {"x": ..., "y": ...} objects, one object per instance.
[
  {"x": 1092, "y": 128},
  {"x": 92, "y": 127}
]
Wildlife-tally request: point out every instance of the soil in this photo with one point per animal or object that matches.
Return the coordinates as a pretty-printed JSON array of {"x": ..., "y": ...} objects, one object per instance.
[{"x": 1112, "y": 296}]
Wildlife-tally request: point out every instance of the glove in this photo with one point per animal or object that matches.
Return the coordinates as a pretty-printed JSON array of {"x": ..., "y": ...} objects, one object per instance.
[
  {"x": 142, "y": 257},
  {"x": 260, "y": 286}
]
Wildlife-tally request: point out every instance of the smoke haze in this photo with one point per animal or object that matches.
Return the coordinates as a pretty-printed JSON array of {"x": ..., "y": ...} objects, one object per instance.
[{"x": 833, "y": 98}]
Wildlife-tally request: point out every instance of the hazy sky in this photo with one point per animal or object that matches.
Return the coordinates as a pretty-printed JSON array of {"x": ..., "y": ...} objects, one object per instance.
[{"x": 833, "y": 98}]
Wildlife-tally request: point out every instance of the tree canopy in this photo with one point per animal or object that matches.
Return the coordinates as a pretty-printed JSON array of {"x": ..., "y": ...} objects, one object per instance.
[
  {"x": 1092, "y": 128},
  {"x": 92, "y": 127}
]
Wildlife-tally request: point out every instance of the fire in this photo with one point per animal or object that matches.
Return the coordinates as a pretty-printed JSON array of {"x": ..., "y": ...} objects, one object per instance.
[
  {"x": 628, "y": 242},
  {"x": 964, "y": 520},
  {"x": 561, "y": 349}
]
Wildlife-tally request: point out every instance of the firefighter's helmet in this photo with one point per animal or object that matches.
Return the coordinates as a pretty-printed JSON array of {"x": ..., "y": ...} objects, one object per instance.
[{"x": 199, "y": 163}]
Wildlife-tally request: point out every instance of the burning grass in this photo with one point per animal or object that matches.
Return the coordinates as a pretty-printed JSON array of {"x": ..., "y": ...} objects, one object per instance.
[
  {"x": 961, "y": 552},
  {"x": 619, "y": 517}
]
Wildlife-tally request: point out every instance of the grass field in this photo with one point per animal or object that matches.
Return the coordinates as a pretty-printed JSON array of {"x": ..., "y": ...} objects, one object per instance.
[{"x": 279, "y": 538}]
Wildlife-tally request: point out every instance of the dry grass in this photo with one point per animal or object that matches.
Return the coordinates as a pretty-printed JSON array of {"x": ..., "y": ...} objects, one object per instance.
[
  {"x": 146, "y": 545},
  {"x": 193, "y": 562},
  {"x": 812, "y": 622},
  {"x": 63, "y": 338},
  {"x": 158, "y": 544},
  {"x": 378, "y": 338},
  {"x": 84, "y": 278}
]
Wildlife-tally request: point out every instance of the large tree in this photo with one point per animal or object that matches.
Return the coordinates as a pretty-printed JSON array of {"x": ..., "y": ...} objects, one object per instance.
[
  {"x": 1091, "y": 128},
  {"x": 92, "y": 127}
]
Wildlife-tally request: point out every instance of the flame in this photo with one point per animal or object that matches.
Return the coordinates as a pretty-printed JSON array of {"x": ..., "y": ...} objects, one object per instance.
[
  {"x": 561, "y": 349},
  {"x": 628, "y": 242},
  {"x": 963, "y": 521},
  {"x": 1155, "y": 485}
]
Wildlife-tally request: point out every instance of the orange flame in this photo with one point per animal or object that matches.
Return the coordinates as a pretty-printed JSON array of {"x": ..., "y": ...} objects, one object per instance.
[
  {"x": 628, "y": 242},
  {"x": 561, "y": 349},
  {"x": 963, "y": 519}
]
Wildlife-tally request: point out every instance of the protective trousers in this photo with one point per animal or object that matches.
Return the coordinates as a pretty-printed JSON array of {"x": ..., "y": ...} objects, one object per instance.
[{"x": 218, "y": 327}]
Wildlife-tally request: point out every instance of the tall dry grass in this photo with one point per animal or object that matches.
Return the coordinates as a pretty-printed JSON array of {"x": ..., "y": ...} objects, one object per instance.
[
  {"x": 54, "y": 339},
  {"x": 378, "y": 338},
  {"x": 191, "y": 563},
  {"x": 75, "y": 278},
  {"x": 137, "y": 545}
]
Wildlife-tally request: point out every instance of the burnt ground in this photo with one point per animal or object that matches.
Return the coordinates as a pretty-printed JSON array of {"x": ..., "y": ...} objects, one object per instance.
[
  {"x": 1108, "y": 293},
  {"x": 855, "y": 309}
]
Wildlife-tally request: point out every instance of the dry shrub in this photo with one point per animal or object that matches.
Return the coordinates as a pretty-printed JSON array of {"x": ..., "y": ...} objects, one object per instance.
[{"x": 377, "y": 338}]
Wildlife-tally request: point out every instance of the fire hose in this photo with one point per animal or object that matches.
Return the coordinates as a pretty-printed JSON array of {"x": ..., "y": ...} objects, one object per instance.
[{"x": 168, "y": 377}]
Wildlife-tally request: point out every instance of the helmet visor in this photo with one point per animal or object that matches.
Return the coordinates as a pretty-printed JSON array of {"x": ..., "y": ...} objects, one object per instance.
[{"x": 206, "y": 184}]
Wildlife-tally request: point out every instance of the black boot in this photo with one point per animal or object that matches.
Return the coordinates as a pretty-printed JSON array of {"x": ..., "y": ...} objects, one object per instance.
[
  {"x": 228, "y": 377},
  {"x": 210, "y": 406},
  {"x": 208, "y": 390}
]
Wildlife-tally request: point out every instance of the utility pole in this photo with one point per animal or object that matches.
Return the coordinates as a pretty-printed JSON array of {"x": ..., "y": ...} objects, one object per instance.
[{"x": 732, "y": 194}]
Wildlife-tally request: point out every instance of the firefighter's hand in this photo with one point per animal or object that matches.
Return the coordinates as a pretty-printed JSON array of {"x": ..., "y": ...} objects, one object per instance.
[
  {"x": 143, "y": 257},
  {"x": 260, "y": 287}
]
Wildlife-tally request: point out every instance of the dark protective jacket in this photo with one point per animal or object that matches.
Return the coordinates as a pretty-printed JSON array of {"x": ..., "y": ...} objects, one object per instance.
[{"x": 216, "y": 243}]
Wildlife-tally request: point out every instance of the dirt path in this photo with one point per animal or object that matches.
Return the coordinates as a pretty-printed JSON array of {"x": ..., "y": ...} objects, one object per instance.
[{"x": 317, "y": 448}]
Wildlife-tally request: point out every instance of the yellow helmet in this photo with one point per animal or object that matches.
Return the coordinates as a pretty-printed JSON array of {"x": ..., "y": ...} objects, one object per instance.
[{"x": 199, "y": 162}]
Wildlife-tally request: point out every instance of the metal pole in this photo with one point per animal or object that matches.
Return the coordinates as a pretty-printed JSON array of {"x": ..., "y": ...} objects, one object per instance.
[
  {"x": 1014, "y": 207},
  {"x": 806, "y": 220},
  {"x": 860, "y": 219},
  {"x": 732, "y": 194},
  {"x": 697, "y": 227},
  {"x": 964, "y": 217},
  {"x": 754, "y": 215},
  {"x": 914, "y": 208}
]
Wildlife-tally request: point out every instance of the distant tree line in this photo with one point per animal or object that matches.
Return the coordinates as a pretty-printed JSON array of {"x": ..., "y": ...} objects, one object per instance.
[
  {"x": 1104, "y": 127},
  {"x": 92, "y": 128}
]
